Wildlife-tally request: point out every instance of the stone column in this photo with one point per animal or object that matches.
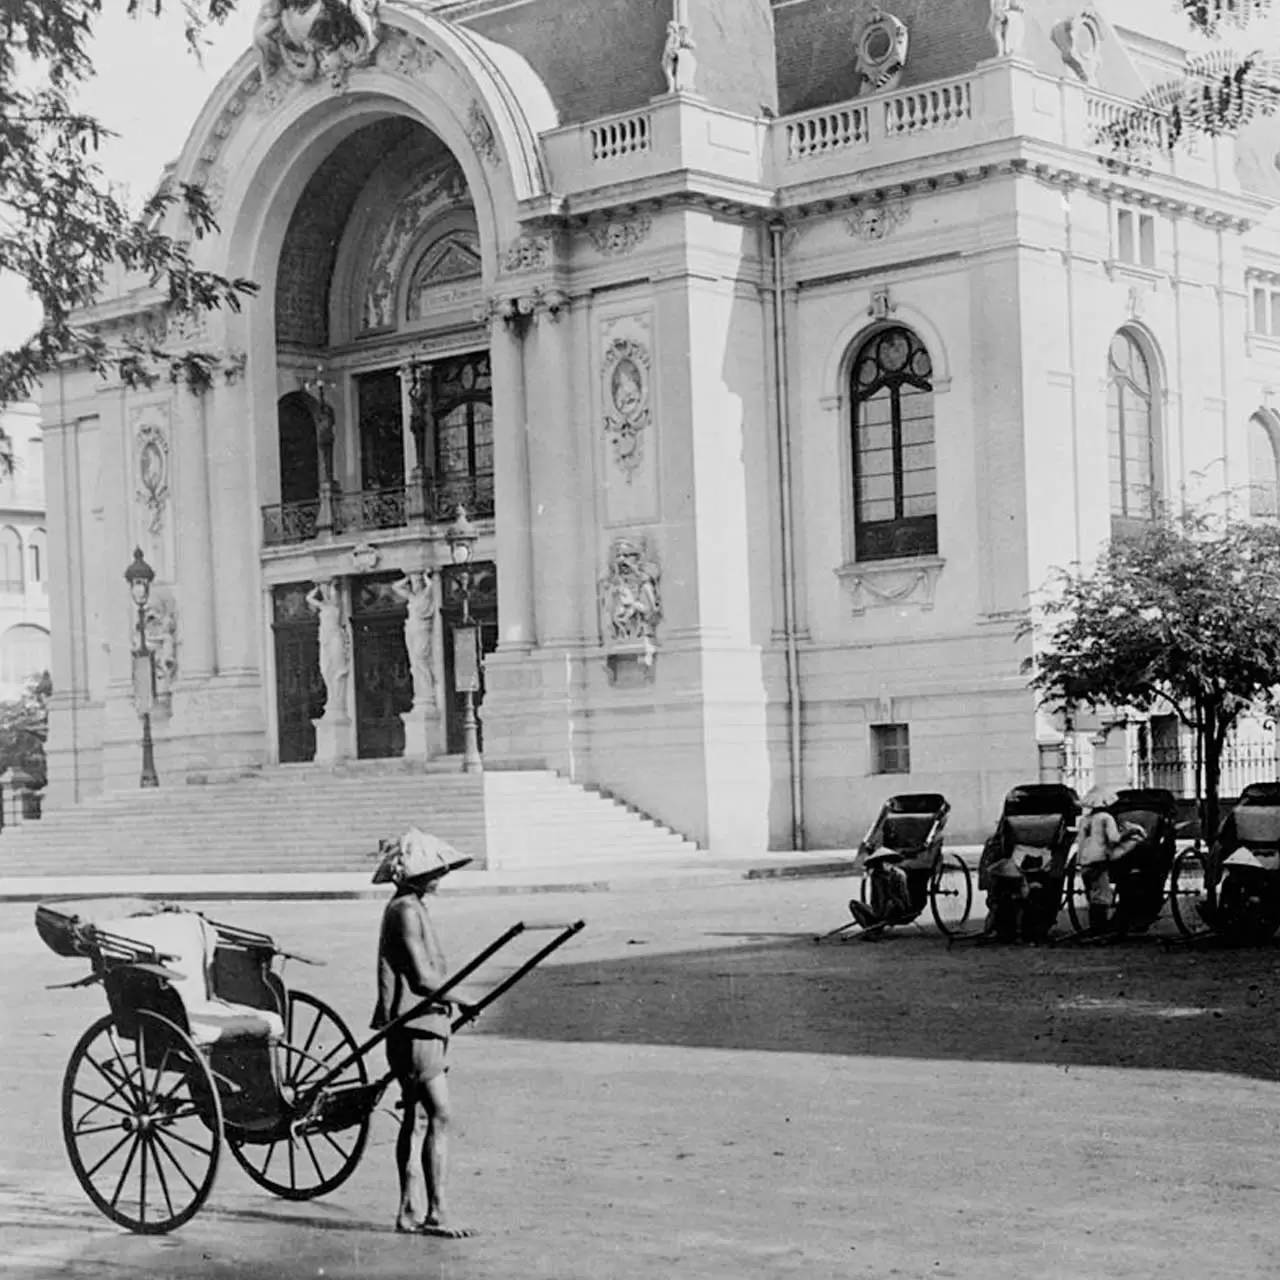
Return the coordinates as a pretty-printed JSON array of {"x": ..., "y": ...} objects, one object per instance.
[
  {"x": 512, "y": 520},
  {"x": 556, "y": 503},
  {"x": 195, "y": 573}
]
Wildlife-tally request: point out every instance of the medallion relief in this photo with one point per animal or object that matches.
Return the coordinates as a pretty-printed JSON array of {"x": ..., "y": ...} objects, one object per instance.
[{"x": 625, "y": 391}]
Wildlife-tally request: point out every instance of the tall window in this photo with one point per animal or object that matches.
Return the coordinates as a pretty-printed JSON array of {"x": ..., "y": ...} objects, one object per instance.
[
  {"x": 895, "y": 477},
  {"x": 36, "y": 557},
  {"x": 1131, "y": 431},
  {"x": 462, "y": 396},
  {"x": 1264, "y": 471},
  {"x": 24, "y": 652},
  {"x": 10, "y": 559}
]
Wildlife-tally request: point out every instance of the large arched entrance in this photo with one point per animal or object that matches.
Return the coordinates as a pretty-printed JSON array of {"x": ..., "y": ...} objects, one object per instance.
[{"x": 378, "y": 396}]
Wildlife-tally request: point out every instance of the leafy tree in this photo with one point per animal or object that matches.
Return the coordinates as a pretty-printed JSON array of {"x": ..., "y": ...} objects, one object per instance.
[
  {"x": 62, "y": 226},
  {"x": 1184, "y": 615},
  {"x": 1219, "y": 91},
  {"x": 24, "y": 726}
]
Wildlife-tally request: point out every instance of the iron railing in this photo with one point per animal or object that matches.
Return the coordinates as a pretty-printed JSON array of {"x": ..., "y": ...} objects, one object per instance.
[
  {"x": 286, "y": 524},
  {"x": 1174, "y": 767}
]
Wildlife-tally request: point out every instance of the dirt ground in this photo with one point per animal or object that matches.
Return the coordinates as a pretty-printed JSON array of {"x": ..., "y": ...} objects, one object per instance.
[{"x": 695, "y": 1089}]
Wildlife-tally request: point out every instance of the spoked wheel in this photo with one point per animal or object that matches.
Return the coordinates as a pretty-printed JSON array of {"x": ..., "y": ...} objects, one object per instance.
[
  {"x": 142, "y": 1123},
  {"x": 951, "y": 894},
  {"x": 1186, "y": 892},
  {"x": 306, "y": 1165},
  {"x": 1077, "y": 899}
]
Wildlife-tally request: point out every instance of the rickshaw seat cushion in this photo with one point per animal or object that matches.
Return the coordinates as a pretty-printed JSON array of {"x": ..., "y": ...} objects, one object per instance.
[
  {"x": 1039, "y": 830},
  {"x": 187, "y": 941}
]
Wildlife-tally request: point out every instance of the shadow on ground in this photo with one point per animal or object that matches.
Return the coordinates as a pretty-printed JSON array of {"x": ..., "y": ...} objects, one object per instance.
[{"x": 1137, "y": 1004}]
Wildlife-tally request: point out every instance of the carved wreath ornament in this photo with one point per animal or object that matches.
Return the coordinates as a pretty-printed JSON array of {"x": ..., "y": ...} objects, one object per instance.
[{"x": 625, "y": 382}]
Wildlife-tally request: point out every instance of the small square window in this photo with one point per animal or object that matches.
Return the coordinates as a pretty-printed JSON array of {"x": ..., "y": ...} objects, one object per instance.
[
  {"x": 1147, "y": 240},
  {"x": 890, "y": 748},
  {"x": 1124, "y": 236}
]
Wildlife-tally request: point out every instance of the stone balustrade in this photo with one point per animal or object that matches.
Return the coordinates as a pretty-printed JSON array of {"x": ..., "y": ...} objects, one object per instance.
[{"x": 1001, "y": 99}]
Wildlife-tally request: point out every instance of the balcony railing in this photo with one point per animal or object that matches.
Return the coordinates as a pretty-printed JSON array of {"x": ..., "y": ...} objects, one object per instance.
[{"x": 371, "y": 510}]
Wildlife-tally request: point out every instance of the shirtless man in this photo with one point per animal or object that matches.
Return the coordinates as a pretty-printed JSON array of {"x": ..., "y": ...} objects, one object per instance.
[{"x": 411, "y": 966}]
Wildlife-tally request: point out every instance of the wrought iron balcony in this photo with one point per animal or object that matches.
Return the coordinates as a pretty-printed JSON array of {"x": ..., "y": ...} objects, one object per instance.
[{"x": 369, "y": 510}]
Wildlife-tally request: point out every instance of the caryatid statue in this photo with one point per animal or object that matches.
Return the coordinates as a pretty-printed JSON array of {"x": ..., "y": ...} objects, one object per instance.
[
  {"x": 325, "y": 600},
  {"x": 417, "y": 590}
]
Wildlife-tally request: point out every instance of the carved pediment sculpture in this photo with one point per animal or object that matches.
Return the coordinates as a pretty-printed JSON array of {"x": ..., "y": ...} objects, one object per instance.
[
  {"x": 1079, "y": 40},
  {"x": 881, "y": 52},
  {"x": 307, "y": 38},
  {"x": 630, "y": 596}
]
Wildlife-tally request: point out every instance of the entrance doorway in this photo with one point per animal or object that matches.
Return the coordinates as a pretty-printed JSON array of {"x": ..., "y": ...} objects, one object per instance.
[
  {"x": 299, "y": 685},
  {"x": 380, "y": 666},
  {"x": 484, "y": 613}
]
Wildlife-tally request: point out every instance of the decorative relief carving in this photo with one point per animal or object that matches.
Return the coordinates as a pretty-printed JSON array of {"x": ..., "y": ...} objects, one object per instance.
[
  {"x": 440, "y": 189},
  {"x": 881, "y": 54},
  {"x": 151, "y": 448},
  {"x": 679, "y": 62},
  {"x": 614, "y": 239},
  {"x": 328, "y": 38},
  {"x": 1079, "y": 40},
  {"x": 882, "y": 303},
  {"x": 481, "y": 136},
  {"x": 406, "y": 55},
  {"x": 891, "y": 583},
  {"x": 876, "y": 221},
  {"x": 1007, "y": 27},
  {"x": 631, "y": 598},
  {"x": 161, "y": 622},
  {"x": 625, "y": 392},
  {"x": 528, "y": 253}
]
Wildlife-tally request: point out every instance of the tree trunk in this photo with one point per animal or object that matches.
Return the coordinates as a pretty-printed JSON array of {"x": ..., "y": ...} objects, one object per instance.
[{"x": 1213, "y": 732}]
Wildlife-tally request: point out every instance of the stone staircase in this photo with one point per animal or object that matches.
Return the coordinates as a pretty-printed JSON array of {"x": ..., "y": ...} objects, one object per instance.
[{"x": 297, "y": 818}]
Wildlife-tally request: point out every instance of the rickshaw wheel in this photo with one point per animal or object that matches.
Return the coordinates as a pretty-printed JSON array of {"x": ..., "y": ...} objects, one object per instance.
[
  {"x": 950, "y": 893},
  {"x": 1186, "y": 888},
  {"x": 142, "y": 1123},
  {"x": 1077, "y": 899},
  {"x": 311, "y": 1164}
]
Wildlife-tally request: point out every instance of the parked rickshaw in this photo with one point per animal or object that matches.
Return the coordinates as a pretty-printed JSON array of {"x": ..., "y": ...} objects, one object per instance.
[
  {"x": 1141, "y": 879},
  {"x": 204, "y": 1047},
  {"x": 1023, "y": 867},
  {"x": 906, "y": 870},
  {"x": 1233, "y": 890}
]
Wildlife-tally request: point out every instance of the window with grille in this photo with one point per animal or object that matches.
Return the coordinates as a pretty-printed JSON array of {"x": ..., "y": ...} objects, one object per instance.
[
  {"x": 890, "y": 748},
  {"x": 895, "y": 477},
  {"x": 1130, "y": 431}
]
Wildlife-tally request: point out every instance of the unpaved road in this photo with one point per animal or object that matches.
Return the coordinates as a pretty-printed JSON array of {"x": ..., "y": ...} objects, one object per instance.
[{"x": 693, "y": 1089}]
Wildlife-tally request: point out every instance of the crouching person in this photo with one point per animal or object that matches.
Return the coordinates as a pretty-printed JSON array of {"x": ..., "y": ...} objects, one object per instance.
[{"x": 889, "y": 892}]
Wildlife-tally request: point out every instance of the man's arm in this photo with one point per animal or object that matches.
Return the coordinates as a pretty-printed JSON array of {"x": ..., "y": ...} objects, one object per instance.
[{"x": 423, "y": 977}]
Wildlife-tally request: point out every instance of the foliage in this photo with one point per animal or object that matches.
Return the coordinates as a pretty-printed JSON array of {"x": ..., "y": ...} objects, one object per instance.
[
  {"x": 1218, "y": 92},
  {"x": 24, "y": 726},
  {"x": 1184, "y": 615},
  {"x": 62, "y": 226}
]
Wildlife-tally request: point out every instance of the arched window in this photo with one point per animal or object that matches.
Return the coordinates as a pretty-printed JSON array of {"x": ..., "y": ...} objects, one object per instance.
[
  {"x": 1264, "y": 471},
  {"x": 1131, "y": 431},
  {"x": 10, "y": 559},
  {"x": 36, "y": 566},
  {"x": 24, "y": 652},
  {"x": 894, "y": 473}
]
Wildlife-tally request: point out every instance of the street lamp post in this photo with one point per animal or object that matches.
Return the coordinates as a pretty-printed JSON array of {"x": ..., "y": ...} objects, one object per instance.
[
  {"x": 140, "y": 575},
  {"x": 461, "y": 536}
]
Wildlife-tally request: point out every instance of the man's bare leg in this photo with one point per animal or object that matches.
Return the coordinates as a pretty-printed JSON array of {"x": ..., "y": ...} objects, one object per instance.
[
  {"x": 410, "y": 1158},
  {"x": 435, "y": 1153}
]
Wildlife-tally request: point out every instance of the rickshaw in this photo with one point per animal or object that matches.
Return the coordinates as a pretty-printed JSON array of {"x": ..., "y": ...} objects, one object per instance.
[
  {"x": 907, "y": 836},
  {"x": 1141, "y": 878},
  {"x": 1023, "y": 867},
  {"x": 1233, "y": 891},
  {"x": 205, "y": 1047}
]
